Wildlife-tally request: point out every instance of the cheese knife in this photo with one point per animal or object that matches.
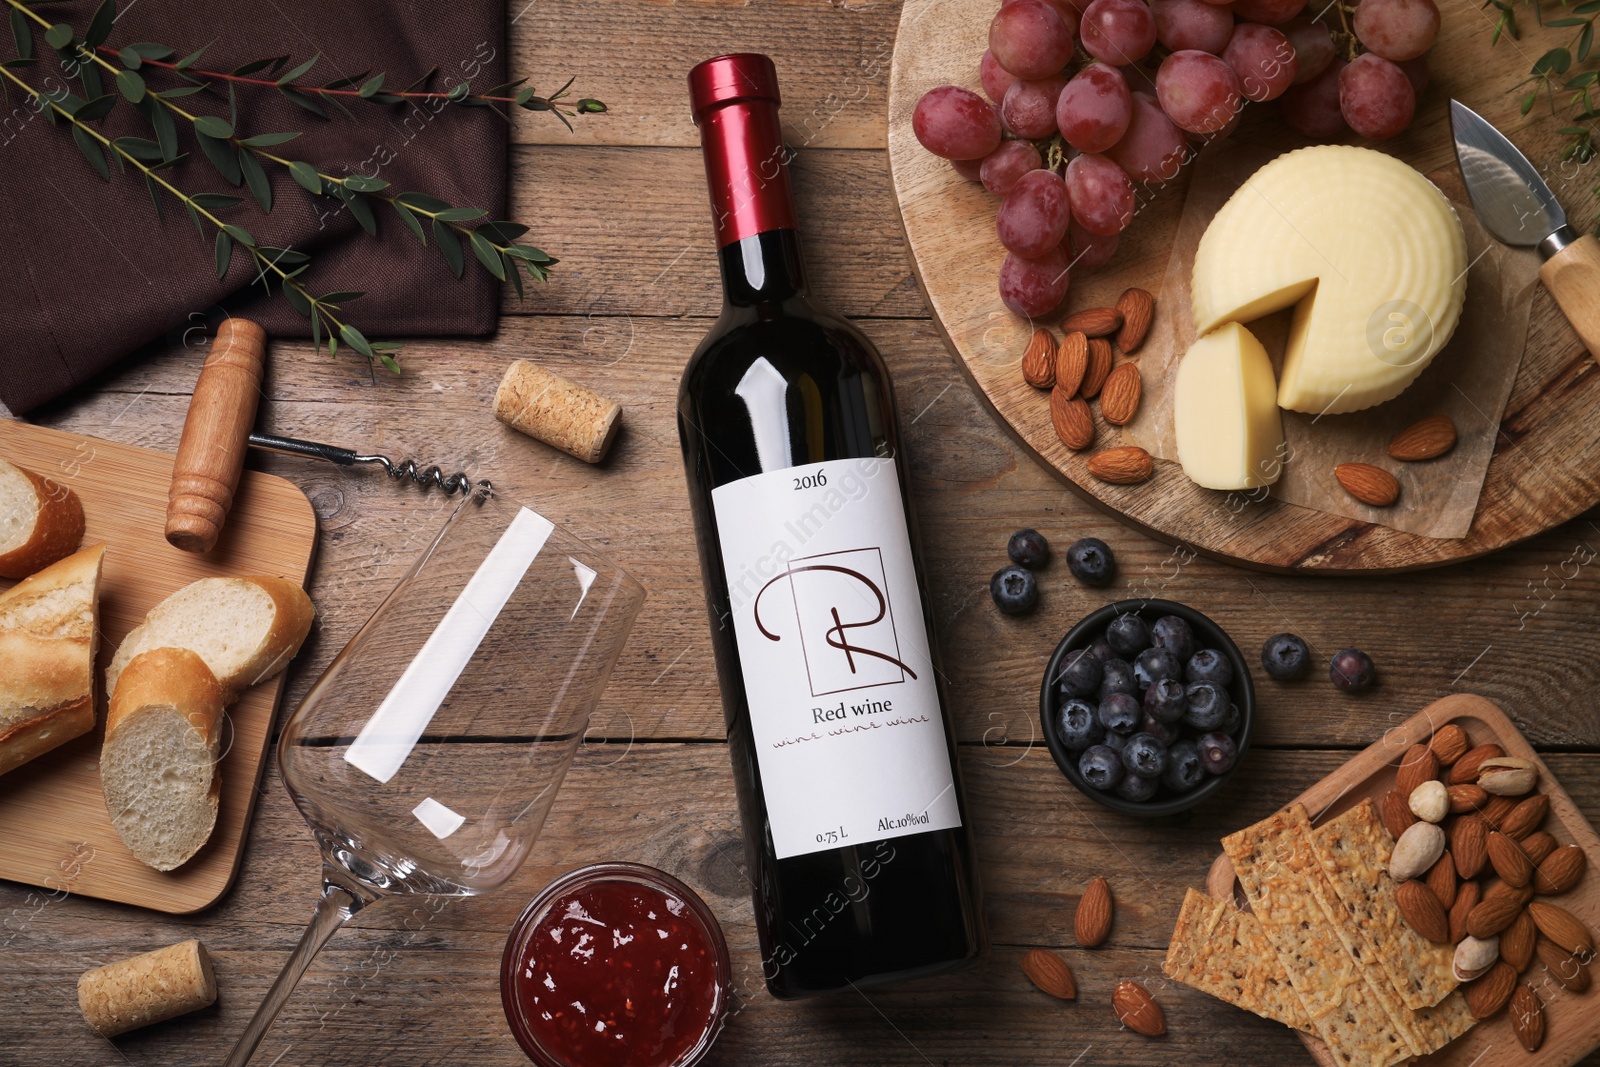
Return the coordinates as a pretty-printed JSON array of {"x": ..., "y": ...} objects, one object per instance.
[{"x": 1517, "y": 207}]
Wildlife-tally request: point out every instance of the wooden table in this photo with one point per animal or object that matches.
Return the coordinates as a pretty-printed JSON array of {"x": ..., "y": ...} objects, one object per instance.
[{"x": 622, "y": 203}]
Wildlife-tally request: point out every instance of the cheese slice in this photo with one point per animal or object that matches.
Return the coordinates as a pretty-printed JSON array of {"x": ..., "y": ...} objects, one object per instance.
[
  {"x": 1370, "y": 253},
  {"x": 1225, "y": 412}
]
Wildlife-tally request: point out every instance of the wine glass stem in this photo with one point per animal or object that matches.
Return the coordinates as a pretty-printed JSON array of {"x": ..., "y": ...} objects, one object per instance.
[{"x": 336, "y": 905}]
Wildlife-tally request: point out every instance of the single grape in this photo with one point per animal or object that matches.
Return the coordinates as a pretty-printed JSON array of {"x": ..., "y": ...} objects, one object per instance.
[
  {"x": 1263, "y": 59},
  {"x": 956, "y": 123},
  {"x": 1270, "y": 12},
  {"x": 1312, "y": 109},
  {"x": 1182, "y": 24},
  {"x": 1095, "y": 108},
  {"x": 1101, "y": 194},
  {"x": 995, "y": 78},
  {"x": 1090, "y": 250},
  {"x": 1313, "y": 48},
  {"x": 1117, "y": 31},
  {"x": 1029, "y": 109},
  {"x": 1007, "y": 163},
  {"x": 1376, "y": 97},
  {"x": 970, "y": 169},
  {"x": 1198, "y": 91},
  {"x": 1417, "y": 73},
  {"x": 1035, "y": 214},
  {"x": 1031, "y": 38},
  {"x": 1153, "y": 150},
  {"x": 1033, "y": 288},
  {"x": 1397, "y": 29}
]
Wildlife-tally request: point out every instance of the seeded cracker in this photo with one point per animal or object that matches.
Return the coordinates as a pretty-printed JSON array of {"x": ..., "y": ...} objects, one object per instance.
[
  {"x": 1290, "y": 895},
  {"x": 1354, "y": 849},
  {"x": 1220, "y": 950},
  {"x": 1444, "y": 1022}
]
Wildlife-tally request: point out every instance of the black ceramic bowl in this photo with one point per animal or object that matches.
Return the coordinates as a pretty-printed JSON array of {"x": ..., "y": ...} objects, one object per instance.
[{"x": 1207, "y": 635}]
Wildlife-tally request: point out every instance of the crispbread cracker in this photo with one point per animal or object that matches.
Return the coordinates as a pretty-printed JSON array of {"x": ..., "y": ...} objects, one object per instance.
[
  {"x": 1354, "y": 850},
  {"x": 1220, "y": 950},
  {"x": 1444, "y": 1022}
]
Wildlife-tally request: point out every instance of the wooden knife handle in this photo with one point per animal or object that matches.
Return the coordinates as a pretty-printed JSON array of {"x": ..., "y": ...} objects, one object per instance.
[
  {"x": 215, "y": 436},
  {"x": 1573, "y": 277}
]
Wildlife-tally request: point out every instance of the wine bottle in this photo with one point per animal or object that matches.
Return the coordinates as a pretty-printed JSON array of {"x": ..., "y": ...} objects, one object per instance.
[{"x": 855, "y": 827}]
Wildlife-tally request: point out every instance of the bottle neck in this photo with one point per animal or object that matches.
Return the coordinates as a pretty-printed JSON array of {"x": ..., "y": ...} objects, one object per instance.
[
  {"x": 752, "y": 207},
  {"x": 762, "y": 268}
]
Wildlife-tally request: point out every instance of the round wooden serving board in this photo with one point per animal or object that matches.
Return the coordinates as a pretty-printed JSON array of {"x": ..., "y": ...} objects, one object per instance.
[{"x": 1544, "y": 469}]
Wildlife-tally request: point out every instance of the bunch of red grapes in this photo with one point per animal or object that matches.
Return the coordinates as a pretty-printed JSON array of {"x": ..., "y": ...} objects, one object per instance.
[{"x": 1066, "y": 134}]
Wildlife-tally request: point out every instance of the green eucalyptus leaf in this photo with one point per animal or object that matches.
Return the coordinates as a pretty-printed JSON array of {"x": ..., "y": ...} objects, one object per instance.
[
  {"x": 335, "y": 299},
  {"x": 333, "y": 344},
  {"x": 316, "y": 332},
  {"x": 422, "y": 202},
  {"x": 166, "y": 129},
  {"x": 355, "y": 340},
  {"x": 233, "y": 108},
  {"x": 522, "y": 98},
  {"x": 171, "y": 161},
  {"x": 409, "y": 217},
  {"x": 238, "y": 233},
  {"x": 502, "y": 232},
  {"x": 130, "y": 60},
  {"x": 460, "y": 92},
  {"x": 536, "y": 103},
  {"x": 155, "y": 197},
  {"x": 215, "y": 201},
  {"x": 346, "y": 82},
  {"x": 1555, "y": 61},
  {"x": 91, "y": 151},
  {"x": 194, "y": 217},
  {"x": 140, "y": 148},
  {"x": 298, "y": 71},
  {"x": 285, "y": 257},
  {"x": 487, "y": 255},
  {"x": 224, "y": 249},
  {"x": 182, "y": 91},
  {"x": 148, "y": 50},
  {"x": 59, "y": 35},
  {"x": 449, "y": 243},
  {"x": 256, "y": 179},
  {"x": 361, "y": 208},
  {"x": 212, "y": 126},
  {"x": 306, "y": 175},
  {"x": 590, "y": 106},
  {"x": 89, "y": 74},
  {"x": 297, "y": 299},
  {"x": 96, "y": 109},
  {"x": 1564, "y": 23},
  {"x": 386, "y": 98},
  {"x": 193, "y": 57},
  {"x": 22, "y": 33},
  {"x": 529, "y": 253},
  {"x": 360, "y": 183},
  {"x": 259, "y": 65},
  {"x": 1585, "y": 42},
  {"x": 510, "y": 267},
  {"x": 460, "y": 214},
  {"x": 303, "y": 100},
  {"x": 130, "y": 85},
  {"x": 371, "y": 86},
  {"x": 388, "y": 361},
  {"x": 222, "y": 156},
  {"x": 100, "y": 25},
  {"x": 268, "y": 140},
  {"x": 1529, "y": 100}
]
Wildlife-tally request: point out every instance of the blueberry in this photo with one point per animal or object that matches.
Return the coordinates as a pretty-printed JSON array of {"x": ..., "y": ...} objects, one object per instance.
[
  {"x": 1184, "y": 768},
  {"x": 1155, "y": 665},
  {"x": 1144, "y": 756},
  {"x": 1114, "y": 741},
  {"x": 1028, "y": 548},
  {"x": 1159, "y": 730},
  {"x": 1218, "y": 753},
  {"x": 1091, "y": 561},
  {"x": 1078, "y": 725},
  {"x": 1137, "y": 789},
  {"x": 1208, "y": 706},
  {"x": 1166, "y": 700},
  {"x": 1352, "y": 671},
  {"x": 1101, "y": 767},
  {"x": 1232, "y": 720},
  {"x": 1173, "y": 634},
  {"x": 1116, "y": 676},
  {"x": 1128, "y": 635},
  {"x": 1100, "y": 649},
  {"x": 1285, "y": 657},
  {"x": 1209, "y": 665},
  {"x": 1080, "y": 674},
  {"x": 1015, "y": 590},
  {"x": 1120, "y": 713}
]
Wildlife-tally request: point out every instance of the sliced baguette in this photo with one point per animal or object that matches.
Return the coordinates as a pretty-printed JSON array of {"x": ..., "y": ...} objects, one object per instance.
[
  {"x": 48, "y": 636},
  {"x": 246, "y": 629},
  {"x": 41, "y": 521},
  {"x": 158, "y": 767}
]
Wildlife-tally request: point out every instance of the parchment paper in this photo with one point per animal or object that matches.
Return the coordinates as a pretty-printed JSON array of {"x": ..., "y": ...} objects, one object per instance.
[{"x": 1469, "y": 380}]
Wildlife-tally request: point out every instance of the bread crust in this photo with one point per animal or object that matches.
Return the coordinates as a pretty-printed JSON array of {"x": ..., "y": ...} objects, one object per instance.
[
  {"x": 173, "y": 676},
  {"x": 290, "y": 627},
  {"x": 57, "y": 530},
  {"x": 33, "y": 738}
]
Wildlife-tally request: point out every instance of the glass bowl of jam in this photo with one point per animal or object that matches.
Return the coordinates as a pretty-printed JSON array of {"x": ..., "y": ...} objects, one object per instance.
[{"x": 616, "y": 965}]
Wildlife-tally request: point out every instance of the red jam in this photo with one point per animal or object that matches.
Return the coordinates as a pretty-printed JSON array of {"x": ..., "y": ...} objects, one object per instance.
[{"x": 616, "y": 965}]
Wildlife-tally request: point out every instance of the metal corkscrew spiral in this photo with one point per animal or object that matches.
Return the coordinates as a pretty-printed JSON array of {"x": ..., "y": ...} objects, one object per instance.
[{"x": 420, "y": 476}]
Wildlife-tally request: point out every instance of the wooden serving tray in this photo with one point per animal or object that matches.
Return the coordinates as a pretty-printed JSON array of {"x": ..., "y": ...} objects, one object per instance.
[
  {"x": 1537, "y": 479},
  {"x": 54, "y": 830},
  {"x": 1572, "y": 1021}
]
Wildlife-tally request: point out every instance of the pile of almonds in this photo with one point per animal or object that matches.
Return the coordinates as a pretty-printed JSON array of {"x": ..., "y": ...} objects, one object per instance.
[
  {"x": 1131, "y": 1002},
  {"x": 1427, "y": 439},
  {"x": 1470, "y": 858},
  {"x": 1079, "y": 369}
]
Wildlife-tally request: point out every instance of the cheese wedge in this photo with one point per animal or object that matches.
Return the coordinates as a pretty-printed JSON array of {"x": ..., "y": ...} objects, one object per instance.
[
  {"x": 1369, "y": 252},
  {"x": 1225, "y": 412}
]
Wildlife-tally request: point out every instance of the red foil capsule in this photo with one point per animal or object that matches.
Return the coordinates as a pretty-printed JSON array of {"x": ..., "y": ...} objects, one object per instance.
[{"x": 734, "y": 100}]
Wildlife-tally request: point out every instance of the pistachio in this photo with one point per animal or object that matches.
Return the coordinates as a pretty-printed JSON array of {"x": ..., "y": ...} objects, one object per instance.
[
  {"x": 1474, "y": 955},
  {"x": 1418, "y": 849},
  {"x": 1430, "y": 801},
  {"x": 1507, "y": 776}
]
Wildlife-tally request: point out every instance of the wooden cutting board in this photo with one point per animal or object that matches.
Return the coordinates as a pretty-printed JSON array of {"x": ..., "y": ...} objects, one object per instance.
[
  {"x": 1572, "y": 1021},
  {"x": 54, "y": 830},
  {"x": 1544, "y": 470}
]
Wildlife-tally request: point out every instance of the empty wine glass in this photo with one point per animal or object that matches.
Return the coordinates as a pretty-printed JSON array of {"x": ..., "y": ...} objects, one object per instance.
[{"x": 425, "y": 758}]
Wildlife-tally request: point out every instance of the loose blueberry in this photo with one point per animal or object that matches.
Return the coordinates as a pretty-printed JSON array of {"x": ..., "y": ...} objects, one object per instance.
[
  {"x": 1029, "y": 549},
  {"x": 1175, "y": 635},
  {"x": 1208, "y": 706},
  {"x": 1015, "y": 590},
  {"x": 1100, "y": 649},
  {"x": 1218, "y": 753},
  {"x": 1232, "y": 720},
  {"x": 1352, "y": 670},
  {"x": 1114, "y": 741},
  {"x": 1209, "y": 665},
  {"x": 1155, "y": 665},
  {"x": 1137, "y": 789},
  {"x": 1116, "y": 676},
  {"x": 1078, "y": 725},
  {"x": 1101, "y": 767},
  {"x": 1184, "y": 769},
  {"x": 1120, "y": 713},
  {"x": 1166, "y": 700},
  {"x": 1159, "y": 730},
  {"x": 1080, "y": 674},
  {"x": 1285, "y": 657},
  {"x": 1144, "y": 756},
  {"x": 1128, "y": 635},
  {"x": 1091, "y": 561}
]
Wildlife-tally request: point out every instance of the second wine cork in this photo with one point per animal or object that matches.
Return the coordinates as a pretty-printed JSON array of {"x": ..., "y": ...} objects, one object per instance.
[
  {"x": 147, "y": 989},
  {"x": 547, "y": 407}
]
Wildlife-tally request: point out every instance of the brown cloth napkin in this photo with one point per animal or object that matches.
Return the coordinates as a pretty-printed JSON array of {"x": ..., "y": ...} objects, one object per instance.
[{"x": 88, "y": 274}]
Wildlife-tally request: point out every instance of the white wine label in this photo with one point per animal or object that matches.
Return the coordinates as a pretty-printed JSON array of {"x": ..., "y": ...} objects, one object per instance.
[{"x": 833, "y": 647}]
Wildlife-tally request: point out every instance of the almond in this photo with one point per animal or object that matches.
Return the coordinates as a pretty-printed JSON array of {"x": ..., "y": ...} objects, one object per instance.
[
  {"x": 1498, "y": 890},
  {"x": 1508, "y": 860},
  {"x": 1442, "y": 880},
  {"x": 1538, "y": 845},
  {"x": 1039, "y": 361},
  {"x": 1049, "y": 974},
  {"x": 1094, "y": 322},
  {"x": 1490, "y": 993},
  {"x": 1418, "y": 765},
  {"x": 1495, "y": 809},
  {"x": 1563, "y": 928},
  {"x": 1465, "y": 769},
  {"x": 1423, "y": 911},
  {"x": 1072, "y": 419},
  {"x": 1098, "y": 368},
  {"x": 1449, "y": 743},
  {"x": 1127, "y": 465},
  {"x": 1469, "y": 845},
  {"x": 1119, "y": 396},
  {"x": 1092, "y": 921},
  {"x": 1138, "y": 308},
  {"x": 1137, "y": 1009},
  {"x": 1464, "y": 798},
  {"x": 1492, "y": 915},
  {"x": 1072, "y": 359},
  {"x": 1396, "y": 814},
  {"x": 1368, "y": 484},
  {"x": 1559, "y": 871},
  {"x": 1526, "y": 816},
  {"x": 1516, "y": 942},
  {"x": 1418, "y": 849},
  {"x": 1428, "y": 439},
  {"x": 1467, "y": 894},
  {"x": 1566, "y": 968},
  {"x": 1527, "y": 1017}
]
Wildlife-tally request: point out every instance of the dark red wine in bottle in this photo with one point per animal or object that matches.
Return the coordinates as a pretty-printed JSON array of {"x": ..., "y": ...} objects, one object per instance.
[{"x": 855, "y": 826}]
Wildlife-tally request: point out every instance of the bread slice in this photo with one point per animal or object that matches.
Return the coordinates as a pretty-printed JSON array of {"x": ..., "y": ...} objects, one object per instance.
[
  {"x": 246, "y": 629},
  {"x": 41, "y": 521},
  {"x": 48, "y": 636},
  {"x": 159, "y": 764}
]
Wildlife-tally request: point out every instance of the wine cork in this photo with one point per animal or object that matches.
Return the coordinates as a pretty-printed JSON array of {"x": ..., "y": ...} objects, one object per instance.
[
  {"x": 147, "y": 989},
  {"x": 560, "y": 413}
]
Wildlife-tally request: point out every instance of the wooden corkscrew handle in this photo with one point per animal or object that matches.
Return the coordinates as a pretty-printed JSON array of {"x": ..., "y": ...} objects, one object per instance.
[{"x": 215, "y": 436}]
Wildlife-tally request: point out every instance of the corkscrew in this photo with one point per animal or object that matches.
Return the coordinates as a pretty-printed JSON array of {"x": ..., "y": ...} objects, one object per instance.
[{"x": 399, "y": 471}]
